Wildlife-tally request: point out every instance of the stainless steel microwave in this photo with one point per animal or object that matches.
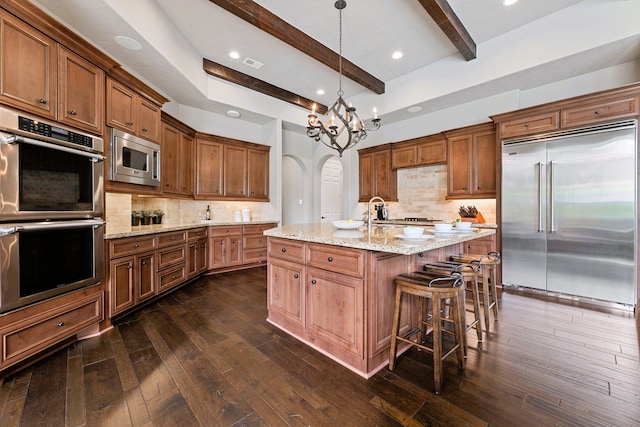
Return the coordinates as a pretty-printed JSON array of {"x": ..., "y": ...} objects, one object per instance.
[{"x": 133, "y": 160}]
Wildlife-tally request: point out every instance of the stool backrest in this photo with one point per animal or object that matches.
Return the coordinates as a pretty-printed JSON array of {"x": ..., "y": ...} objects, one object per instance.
[{"x": 453, "y": 281}]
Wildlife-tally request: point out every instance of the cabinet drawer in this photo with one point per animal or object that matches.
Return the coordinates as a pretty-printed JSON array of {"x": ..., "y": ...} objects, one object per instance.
[
  {"x": 170, "y": 257},
  {"x": 403, "y": 157},
  {"x": 27, "y": 337},
  {"x": 257, "y": 228},
  {"x": 254, "y": 255},
  {"x": 530, "y": 125},
  {"x": 197, "y": 233},
  {"x": 286, "y": 249},
  {"x": 225, "y": 231},
  {"x": 130, "y": 246},
  {"x": 172, "y": 277},
  {"x": 254, "y": 242},
  {"x": 168, "y": 239},
  {"x": 599, "y": 112},
  {"x": 339, "y": 260}
]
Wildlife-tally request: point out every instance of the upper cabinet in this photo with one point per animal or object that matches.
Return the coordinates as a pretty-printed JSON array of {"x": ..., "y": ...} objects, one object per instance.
[
  {"x": 177, "y": 157},
  {"x": 41, "y": 77},
  {"x": 423, "y": 151},
  {"x": 231, "y": 169},
  {"x": 471, "y": 162},
  {"x": 132, "y": 113},
  {"x": 376, "y": 177},
  {"x": 80, "y": 92}
]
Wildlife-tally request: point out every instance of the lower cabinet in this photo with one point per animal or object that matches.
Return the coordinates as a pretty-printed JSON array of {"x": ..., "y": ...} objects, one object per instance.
[
  {"x": 339, "y": 300},
  {"x": 225, "y": 247},
  {"x": 254, "y": 243},
  {"x": 481, "y": 246},
  {"x": 133, "y": 280},
  {"x": 29, "y": 331},
  {"x": 197, "y": 252}
]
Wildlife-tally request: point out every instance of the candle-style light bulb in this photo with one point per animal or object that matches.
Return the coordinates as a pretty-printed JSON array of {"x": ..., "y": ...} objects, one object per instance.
[
  {"x": 375, "y": 113},
  {"x": 313, "y": 110}
]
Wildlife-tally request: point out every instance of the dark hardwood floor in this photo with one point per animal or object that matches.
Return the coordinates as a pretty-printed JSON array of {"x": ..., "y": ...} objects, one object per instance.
[{"x": 204, "y": 355}]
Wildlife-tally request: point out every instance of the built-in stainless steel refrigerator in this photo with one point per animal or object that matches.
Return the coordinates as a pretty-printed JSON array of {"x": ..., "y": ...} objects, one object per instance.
[{"x": 569, "y": 212}]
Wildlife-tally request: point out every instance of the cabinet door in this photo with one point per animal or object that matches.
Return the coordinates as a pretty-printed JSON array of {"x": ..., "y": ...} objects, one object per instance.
[
  {"x": 234, "y": 250},
  {"x": 192, "y": 259},
  {"x": 432, "y": 153},
  {"x": 341, "y": 330},
  {"x": 258, "y": 174},
  {"x": 208, "y": 169},
  {"x": 28, "y": 68},
  {"x": 121, "y": 106},
  {"x": 149, "y": 124},
  {"x": 145, "y": 277},
  {"x": 459, "y": 166},
  {"x": 385, "y": 183},
  {"x": 80, "y": 92},
  {"x": 217, "y": 250},
  {"x": 170, "y": 159},
  {"x": 202, "y": 256},
  {"x": 121, "y": 284},
  {"x": 484, "y": 153},
  {"x": 481, "y": 246},
  {"x": 186, "y": 165},
  {"x": 286, "y": 294},
  {"x": 366, "y": 178},
  {"x": 403, "y": 157},
  {"x": 235, "y": 171}
]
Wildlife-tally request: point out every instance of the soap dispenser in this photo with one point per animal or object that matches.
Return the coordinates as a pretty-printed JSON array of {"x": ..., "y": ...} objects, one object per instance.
[{"x": 207, "y": 214}]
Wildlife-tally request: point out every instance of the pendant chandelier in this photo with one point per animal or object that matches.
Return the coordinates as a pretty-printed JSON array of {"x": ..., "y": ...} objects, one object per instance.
[{"x": 341, "y": 127}]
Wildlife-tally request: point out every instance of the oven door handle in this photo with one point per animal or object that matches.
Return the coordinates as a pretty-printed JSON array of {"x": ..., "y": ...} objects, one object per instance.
[
  {"x": 55, "y": 225},
  {"x": 14, "y": 139}
]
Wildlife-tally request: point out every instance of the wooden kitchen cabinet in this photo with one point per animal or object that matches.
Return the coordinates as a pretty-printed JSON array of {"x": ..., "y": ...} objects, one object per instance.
[
  {"x": 376, "y": 177},
  {"x": 177, "y": 161},
  {"x": 254, "y": 243},
  {"x": 28, "y": 61},
  {"x": 481, "y": 246},
  {"x": 235, "y": 171},
  {"x": 197, "y": 252},
  {"x": 80, "y": 92},
  {"x": 133, "y": 280},
  {"x": 225, "y": 247},
  {"x": 258, "y": 174},
  {"x": 546, "y": 122},
  {"x": 131, "y": 112},
  {"x": 171, "y": 257},
  {"x": 286, "y": 301},
  {"x": 471, "y": 162},
  {"x": 600, "y": 111},
  {"x": 423, "y": 151},
  {"x": 209, "y": 167}
]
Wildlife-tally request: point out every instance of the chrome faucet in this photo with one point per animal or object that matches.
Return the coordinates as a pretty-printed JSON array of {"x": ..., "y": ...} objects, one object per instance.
[{"x": 384, "y": 204}]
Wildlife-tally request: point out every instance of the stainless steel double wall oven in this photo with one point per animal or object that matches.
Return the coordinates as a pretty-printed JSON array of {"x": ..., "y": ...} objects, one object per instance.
[{"x": 51, "y": 209}]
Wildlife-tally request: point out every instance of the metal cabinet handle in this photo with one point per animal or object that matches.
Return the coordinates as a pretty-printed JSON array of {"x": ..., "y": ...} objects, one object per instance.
[
  {"x": 130, "y": 123},
  {"x": 540, "y": 186},
  {"x": 144, "y": 129},
  {"x": 421, "y": 254},
  {"x": 43, "y": 101},
  {"x": 73, "y": 113},
  {"x": 284, "y": 250},
  {"x": 128, "y": 266},
  {"x": 330, "y": 259},
  {"x": 552, "y": 218},
  {"x": 313, "y": 282},
  {"x": 60, "y": 324},
  {"x": 144, "y": 262},
  {"x": 295, "y": 276}
]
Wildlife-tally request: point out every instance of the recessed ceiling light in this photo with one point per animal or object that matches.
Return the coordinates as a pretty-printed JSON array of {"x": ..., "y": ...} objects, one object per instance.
[
  {"x": 128, "y": 43},
  {"x": 396, "y": 55},
  {"x": 233, "y": 113},
  {"x": 509, "y": 2},
  {"x": 233, "y": 54},
  {"x": 414, "y": 109},
  {"x": 320, "y": 92}
]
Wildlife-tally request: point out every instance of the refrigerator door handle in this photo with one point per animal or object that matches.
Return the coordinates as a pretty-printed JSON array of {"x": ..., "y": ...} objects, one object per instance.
[
  {"x": 552, "y": 219},
  {"x": 540, "y": 202}
]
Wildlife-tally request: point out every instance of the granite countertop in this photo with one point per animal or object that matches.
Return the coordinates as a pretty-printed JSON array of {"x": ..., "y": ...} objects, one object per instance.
[
  {"x": 425, "y": 223},
  {"x": 382, "y": 238},
  {"x": 114, "y": 232}
]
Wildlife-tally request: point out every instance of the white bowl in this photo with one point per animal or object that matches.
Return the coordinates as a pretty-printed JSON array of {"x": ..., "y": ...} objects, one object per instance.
[
  {"x": 413, "y": 231},
  {"x": 464, "y": 225},
  {"x": 347, "y": 224},
  {"x": 443, "y": 227}
]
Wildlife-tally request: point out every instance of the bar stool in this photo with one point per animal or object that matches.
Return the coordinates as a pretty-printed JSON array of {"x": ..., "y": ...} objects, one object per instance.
[
  {"x": 489, "y": 290},
  {"x": 437, "y": 290},
  {"x": 469, "y": 273}
]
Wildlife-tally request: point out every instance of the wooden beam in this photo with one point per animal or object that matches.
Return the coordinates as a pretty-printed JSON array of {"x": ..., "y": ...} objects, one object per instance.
[
  {"x": 245, "y": 80},
  {"x": 448, "y": 21},
  {"x": 270, "y": 23}
]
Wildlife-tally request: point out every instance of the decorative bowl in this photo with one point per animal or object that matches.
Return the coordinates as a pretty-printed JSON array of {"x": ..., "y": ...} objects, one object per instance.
[
  {"x": 411, "y": 231},
  {"x": 443, "y": 227},
  {"x": 463, "y": 225},
  {"x": 347, "y": 224}
]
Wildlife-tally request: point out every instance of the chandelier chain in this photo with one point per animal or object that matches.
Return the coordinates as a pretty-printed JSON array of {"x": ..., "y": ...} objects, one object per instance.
[{"x": 340, "y": 92}]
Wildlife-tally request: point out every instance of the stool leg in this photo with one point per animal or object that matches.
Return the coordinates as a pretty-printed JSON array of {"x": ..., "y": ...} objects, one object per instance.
[
  {"x": 397, "y": 311},
  {"x": 494, "y": 291},
  {"x": 460, "y": 329},
  {"x": 485, "y": 298},
  {"x": 476, "y": 308},
  {"x": 437, "y": 344}
]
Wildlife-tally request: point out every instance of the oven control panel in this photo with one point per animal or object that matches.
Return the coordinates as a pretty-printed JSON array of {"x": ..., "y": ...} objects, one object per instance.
[{"x": 45, "y": 129}]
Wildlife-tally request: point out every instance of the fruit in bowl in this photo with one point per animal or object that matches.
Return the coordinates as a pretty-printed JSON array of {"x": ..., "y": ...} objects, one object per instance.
[
  {"x": 443, "y": 227},
  {"x": 411, "y": 231},
  {"x": 347, "y": 224}
]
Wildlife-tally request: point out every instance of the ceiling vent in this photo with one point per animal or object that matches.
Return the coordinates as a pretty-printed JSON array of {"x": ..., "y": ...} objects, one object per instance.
[{"x": 252, "y": 63}]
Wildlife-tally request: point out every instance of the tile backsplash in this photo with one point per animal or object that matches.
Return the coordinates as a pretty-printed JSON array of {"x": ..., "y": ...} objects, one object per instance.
[{"x": 422, "y": 193}]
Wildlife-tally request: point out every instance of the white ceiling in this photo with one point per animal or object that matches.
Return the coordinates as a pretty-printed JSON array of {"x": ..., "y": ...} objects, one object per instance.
[{"x": 176, "y": 35}]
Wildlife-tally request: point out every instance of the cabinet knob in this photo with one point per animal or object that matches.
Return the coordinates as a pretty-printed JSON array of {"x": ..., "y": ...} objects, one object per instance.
[
  {"x": 330, "y": 259},
  {"x": 130, "y": 123},
  {"x": 284, "y": 250},
  {"x": 421, "y": 254},
  {"x": 136, "y": 246},
  {"x": 60, "y": 324},
  {"x": 174, "y": 277},
  {"x": 73, "y": 113},
  {"x": 313, "y": 282},
  {"x": 43, "y": 101},
  {"x": 144, "y": 129},
  {"x": 128, "y": 266},
  {"x": 295, "y": 276},
  {"x": 144, "y": 262},
  {"x": 596, "y": 112}
]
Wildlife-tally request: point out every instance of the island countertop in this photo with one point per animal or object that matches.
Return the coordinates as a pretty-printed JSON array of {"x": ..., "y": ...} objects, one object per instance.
[
  {"x": 116, "y": 232},
  {"x": 381, "y": 238}
]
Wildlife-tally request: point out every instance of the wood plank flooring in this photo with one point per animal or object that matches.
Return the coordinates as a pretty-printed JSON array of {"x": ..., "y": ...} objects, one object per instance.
[{"x": 204, "y": 356}]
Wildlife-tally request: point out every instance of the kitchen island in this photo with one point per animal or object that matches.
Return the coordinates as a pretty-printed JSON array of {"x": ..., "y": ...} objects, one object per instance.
[{"x": 334, "y": 289}]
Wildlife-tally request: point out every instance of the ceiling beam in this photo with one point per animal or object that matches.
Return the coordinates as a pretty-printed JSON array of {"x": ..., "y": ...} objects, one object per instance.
[
  {"x": 270, "y": 23},
  {"x": 245, "y": 80},
  {"x": 448, "y": 21}
]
